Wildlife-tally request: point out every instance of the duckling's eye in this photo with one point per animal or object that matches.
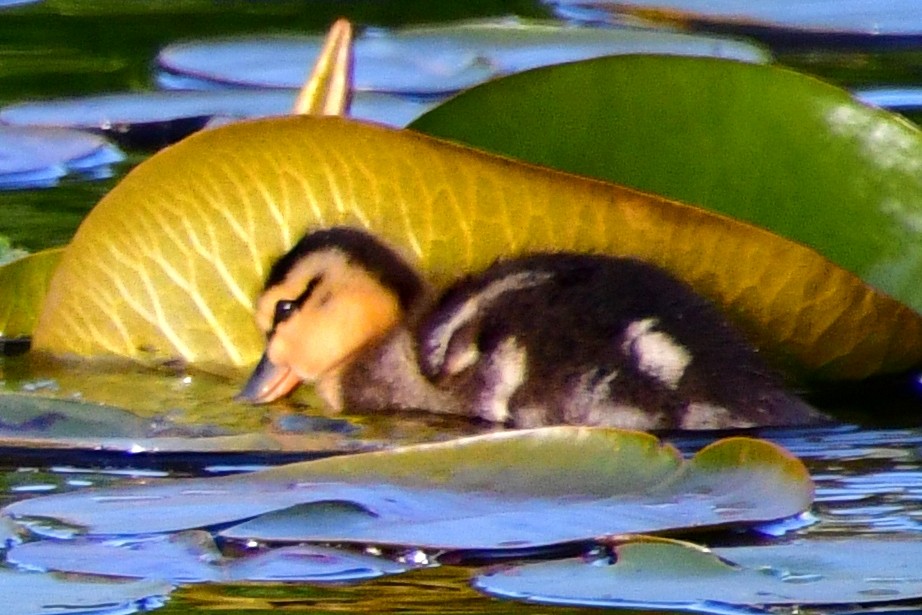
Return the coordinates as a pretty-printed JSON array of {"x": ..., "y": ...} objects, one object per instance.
[
  {"x": 286, "y": 307},
  {"x": 283, "y": 311}
]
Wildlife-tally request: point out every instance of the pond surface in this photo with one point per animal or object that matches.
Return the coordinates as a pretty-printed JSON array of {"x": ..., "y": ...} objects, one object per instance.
[
  {"x": 869, "y": 483},
  {"x": 869, "y": 480}
]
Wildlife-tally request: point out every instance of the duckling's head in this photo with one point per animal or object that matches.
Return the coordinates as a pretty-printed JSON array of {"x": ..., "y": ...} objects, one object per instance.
[{"x": 335, "y": 293}]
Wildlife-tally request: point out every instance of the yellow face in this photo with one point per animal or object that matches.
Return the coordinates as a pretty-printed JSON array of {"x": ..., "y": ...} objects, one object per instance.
[{"x": 319, "y": 317}]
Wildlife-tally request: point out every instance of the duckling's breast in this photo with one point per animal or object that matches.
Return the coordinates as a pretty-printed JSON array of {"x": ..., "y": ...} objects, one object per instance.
[{"x": 387, "y": 376}]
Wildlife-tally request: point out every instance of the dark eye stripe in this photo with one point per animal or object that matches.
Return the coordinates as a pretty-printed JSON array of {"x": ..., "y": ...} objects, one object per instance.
[
  {"x": 286, "y": 307},
  {"x": 308, "y": 291}
]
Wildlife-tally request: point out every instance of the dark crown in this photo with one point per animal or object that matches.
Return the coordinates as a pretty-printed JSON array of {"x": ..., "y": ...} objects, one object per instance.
[{"x": 362, "y": 248}]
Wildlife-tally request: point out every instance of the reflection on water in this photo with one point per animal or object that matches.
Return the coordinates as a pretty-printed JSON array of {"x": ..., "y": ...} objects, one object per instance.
[
  {"x": 424, "y": 592},
  {"x": 867, "y": 480}
]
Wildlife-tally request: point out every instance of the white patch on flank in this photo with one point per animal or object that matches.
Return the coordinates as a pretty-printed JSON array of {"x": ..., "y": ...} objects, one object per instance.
[
  {"x": 440, "y": 337},
  {"x": 657, "y": 353},
  {"x": 460, "y": 361},
  {"x": 700, "y": 415},
  {"x": 505, "y": 374},
  {"x": 624, "y": 416}
]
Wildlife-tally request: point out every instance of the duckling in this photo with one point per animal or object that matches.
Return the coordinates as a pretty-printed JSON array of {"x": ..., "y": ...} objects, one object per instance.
[{"x": 541, "y": 339}]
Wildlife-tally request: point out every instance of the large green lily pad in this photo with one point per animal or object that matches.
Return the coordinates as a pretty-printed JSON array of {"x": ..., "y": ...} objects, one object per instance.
[
  {"x": 759, "y": 143},
  {"x": 508, "y": 490}
]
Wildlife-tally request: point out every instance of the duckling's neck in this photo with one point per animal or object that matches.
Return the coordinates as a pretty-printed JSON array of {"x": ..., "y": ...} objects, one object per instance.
[{"x": 386, "y": 376}]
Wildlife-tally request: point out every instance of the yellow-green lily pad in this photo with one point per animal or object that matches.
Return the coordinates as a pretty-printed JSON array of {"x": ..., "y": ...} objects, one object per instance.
[
  {"x": 168, "y": 263},
  {"x": 23, "y": 284}
]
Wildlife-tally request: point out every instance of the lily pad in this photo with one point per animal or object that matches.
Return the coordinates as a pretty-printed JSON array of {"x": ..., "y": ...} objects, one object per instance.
[
  {"x": 861, "y": 23},
  {"x": 758, "y": 143},
  {"x": 153, "y": 119},
  {"x": 10, "y": 533},
  {"x": 167, "y": 265},
  {"x": 669, "y": 575},
  {"x": 433, "y": 61},
  {"x": 26, "y": 415},
  {"x": 24, "y": 283},
  {"x": 193, "y": 557},
  {"x": 31, "y": 593},
  {"x": 513, "y": 490},
  {"x": 42, "y": 422},
  {"x": 38, "y": 157}
]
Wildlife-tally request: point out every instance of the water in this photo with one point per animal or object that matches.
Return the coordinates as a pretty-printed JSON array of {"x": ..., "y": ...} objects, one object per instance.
[{"x": 869, "y": 480}]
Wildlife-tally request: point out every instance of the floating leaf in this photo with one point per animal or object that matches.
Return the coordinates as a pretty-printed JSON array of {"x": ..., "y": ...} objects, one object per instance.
[
  {"x": 166, "y": 397},
  {"x": 10, "y": 533},
  {"x": 154, "y": 119},
  {"x": 23, "y": 284},
  {"x": 38, "y": 157},
  {"x": 193, "y": 557},
  {"x": 758, "y": 143},
  {"x": 515, "y": 490},
  {"x": 7, "y": 3},
  {"x": 31, "y": 593},
  {"x": 668, "y": 575},
  {"x": 432, "y": 61},
  {"x": 168, "y": 263},
  {"x": 825, "y": 23}
]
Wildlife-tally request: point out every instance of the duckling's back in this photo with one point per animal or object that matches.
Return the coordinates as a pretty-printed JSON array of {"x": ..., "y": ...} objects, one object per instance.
[{"x": 590, "y": 339}]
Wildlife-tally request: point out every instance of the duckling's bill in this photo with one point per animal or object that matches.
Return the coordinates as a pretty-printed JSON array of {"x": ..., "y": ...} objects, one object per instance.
[{"x": 268, "y": 382}]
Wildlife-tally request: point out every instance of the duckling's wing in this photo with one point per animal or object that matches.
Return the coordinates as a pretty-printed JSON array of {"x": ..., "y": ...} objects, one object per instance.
[{"x": 578, "y": 338}]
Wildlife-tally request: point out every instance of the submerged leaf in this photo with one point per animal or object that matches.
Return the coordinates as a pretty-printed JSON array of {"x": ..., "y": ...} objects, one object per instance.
[
  {"x": 23, "y": 284},
  {"x": 39, "y": 422},
  {"x": 669, "y": 575},
  {"x": 169, "y": 262},
  {"x": 23, "y": 416},
  {"x": 510, "y": 490}
]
